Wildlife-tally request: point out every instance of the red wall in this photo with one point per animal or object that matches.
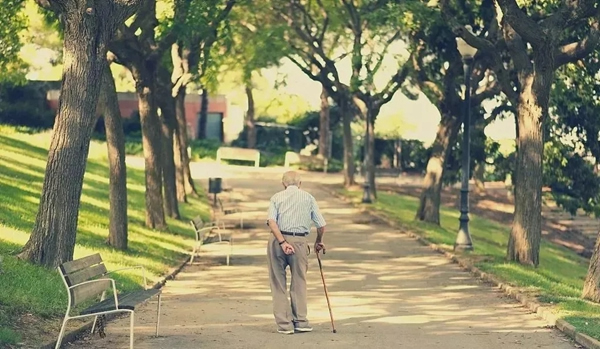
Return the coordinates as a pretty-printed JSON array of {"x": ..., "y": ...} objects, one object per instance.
[{"x": 128, "y": 104}]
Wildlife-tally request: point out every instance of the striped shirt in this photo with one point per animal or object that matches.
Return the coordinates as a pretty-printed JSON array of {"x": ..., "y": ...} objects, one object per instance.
[{"x": 294, "y": 210}]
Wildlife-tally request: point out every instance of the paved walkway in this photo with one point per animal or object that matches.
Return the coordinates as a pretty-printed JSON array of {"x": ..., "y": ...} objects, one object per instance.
[{"x": 386, "y": 290}]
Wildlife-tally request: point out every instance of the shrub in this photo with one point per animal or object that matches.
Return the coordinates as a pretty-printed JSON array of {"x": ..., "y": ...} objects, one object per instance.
[
  {"x": 204, "y": 148},
  {"x": 25, "y": 105},
  {"x": 334, "y": 166}
]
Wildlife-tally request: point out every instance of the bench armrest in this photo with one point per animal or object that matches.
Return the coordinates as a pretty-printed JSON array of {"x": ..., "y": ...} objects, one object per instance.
[
  {"x": 218, "y": 231},
  {"x": 205, "y": 231},
  {"x": 112, "y": 281},
  {"x": 129, "y": 268}
]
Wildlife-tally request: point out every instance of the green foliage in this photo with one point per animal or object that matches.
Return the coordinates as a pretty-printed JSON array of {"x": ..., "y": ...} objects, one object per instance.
[
  {"x": 572, "y": 132},
  {"x": 39, "y": 292},
  {"x": 204, "y": 148},
  {"x": 12, "y": 22},
  {"x": 9, "y": 336},
  {"x": 309, "y": 124},
  {"x": 334, "y": 166},
  {"x": 414, "y": 155},
  {"x": 500, "y": 165},
  {"x": 557, "y": 281},
  {"x": 257, "y": 39},
  {"x": 572, "y": 179}
]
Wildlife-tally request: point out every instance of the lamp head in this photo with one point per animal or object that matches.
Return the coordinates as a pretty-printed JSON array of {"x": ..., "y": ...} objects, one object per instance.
[{"x": 466, "y": 51}]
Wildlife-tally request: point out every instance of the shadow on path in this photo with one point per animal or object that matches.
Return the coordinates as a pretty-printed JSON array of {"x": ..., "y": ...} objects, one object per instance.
[{"x": 386, "y": 290}]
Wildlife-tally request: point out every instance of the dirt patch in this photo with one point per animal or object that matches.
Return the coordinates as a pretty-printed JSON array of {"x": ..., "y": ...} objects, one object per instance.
[
  {"x": 36, "y": 331},
  {"x": 497, "y": 206}
]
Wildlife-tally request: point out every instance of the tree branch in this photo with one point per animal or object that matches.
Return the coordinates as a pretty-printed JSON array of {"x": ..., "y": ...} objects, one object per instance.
[
  {"x": 422, "y": 80},
  {"x": 126, "y": 9},
  {"x": 578, "y": 50},
  {"x": 394, "y": 84},
  {"x": 522, "y": 24},
  {"x": 518, "y": 51},
  {"x": 481, "y": 44},
  {"x": 490, "y": 92},
  {"x": 498, "y": 111}
]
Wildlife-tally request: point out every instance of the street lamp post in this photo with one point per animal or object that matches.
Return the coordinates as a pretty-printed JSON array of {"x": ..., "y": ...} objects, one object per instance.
[
  {"x": 366, "y": 199},
  {"x": 463, "y": 238}
]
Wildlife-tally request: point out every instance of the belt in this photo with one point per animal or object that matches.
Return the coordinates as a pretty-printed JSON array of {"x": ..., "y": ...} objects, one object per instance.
[{"x": 293, "y": 234}]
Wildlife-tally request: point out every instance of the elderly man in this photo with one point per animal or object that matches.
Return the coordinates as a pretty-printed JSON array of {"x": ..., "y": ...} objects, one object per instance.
[{"x": 290, "y": 215}]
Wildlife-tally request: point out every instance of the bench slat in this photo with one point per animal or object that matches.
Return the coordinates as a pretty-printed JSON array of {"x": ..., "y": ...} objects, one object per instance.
[
  {"x": 82, "y": 263},
  {"x": 85, "y": 274},
  {"x": 197, "y": 222},
  {"x": 232, "y": 153},
  {"x": 238, "y": 153},
  {"x": 85, "y": 292},
  {"x": 126, "y": 301}
]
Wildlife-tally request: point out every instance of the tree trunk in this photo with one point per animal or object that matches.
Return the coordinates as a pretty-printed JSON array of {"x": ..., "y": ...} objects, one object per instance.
[
  {"x": 203, "y": 114},
  {"x": 324, "y": 124},
  {"x": 52, "y": 240},
  {"x": 591, "y": 287},
  {"x": 183, "y": 172},
  {"x": 370, "y": 154},
  {"x": 429, "y": 203},
  {"x": 250, "y": 126},
  {"x": 349, "y": 169},
  {"x": 532, "y": 108},
  {"x": 179, "y": 177},
  {"x": 153, "y": 150},
  {"x": 478, "y": 177},
  {"x": 108, "y": 106},
  {"x": 398, "y": 154},
  {"x": 167, "y": 107}
]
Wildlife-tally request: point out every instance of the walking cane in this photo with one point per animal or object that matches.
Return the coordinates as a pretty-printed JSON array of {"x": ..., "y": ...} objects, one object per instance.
[{"x": 325, "y": 288}]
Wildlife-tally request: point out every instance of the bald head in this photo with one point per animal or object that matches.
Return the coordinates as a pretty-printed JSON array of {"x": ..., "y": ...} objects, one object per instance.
[{"x": 291, "y": 178}]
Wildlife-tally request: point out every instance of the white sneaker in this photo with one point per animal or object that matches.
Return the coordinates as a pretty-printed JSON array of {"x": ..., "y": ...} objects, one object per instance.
[
  {"x": 303, "y": 329},
  {"x": 286, "y": 331}
]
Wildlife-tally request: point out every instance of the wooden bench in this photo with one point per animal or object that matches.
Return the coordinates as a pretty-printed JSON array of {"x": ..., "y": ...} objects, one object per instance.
[
  {"x": 231, "y": 153},
  {"x": 86, "y": 280},
  {"x": 205, "y": 235}
]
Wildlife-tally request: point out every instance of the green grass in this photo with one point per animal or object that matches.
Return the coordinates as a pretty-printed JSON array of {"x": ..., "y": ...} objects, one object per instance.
[
  {"x": 557, "y": 281},
  {"x": 30, "y": 289}
]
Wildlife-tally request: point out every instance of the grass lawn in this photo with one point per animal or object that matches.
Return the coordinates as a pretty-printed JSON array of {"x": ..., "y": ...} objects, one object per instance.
[
  {"x": 33, "y": 299},
  {"x": 558, "y": 280}
]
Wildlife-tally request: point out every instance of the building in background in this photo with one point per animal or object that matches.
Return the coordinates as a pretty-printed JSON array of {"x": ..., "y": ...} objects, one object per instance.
[{"x": 216, "y": 126}]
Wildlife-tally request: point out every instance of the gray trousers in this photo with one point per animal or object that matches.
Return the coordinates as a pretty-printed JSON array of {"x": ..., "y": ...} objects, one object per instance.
[{"x": 288, "y": 317}]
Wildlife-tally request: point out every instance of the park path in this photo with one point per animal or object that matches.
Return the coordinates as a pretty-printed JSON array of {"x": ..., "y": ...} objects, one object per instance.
[{"x": 386, "y": 290}]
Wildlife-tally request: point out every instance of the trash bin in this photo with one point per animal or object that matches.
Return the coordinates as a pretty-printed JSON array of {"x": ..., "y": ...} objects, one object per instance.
[{"x": 214, "y": 185}]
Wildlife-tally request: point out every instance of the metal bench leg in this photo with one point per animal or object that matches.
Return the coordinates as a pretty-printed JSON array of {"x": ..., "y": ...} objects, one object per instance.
[
  {"x": 193, "y": 255},
  {"x": 158, "y": 314},
  {"x": 62, "y": 333},
  {"x": 230, "y": 251},
  {"x": 132, "y": 319},
  {"x": 96, "y": 317},
  {"x": 94, "y": 324}
]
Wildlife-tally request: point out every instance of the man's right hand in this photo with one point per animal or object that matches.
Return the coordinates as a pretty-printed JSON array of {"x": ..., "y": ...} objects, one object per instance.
[
  {"x": 287, "y": 248},
  {"x": 319, "y": 247}
]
